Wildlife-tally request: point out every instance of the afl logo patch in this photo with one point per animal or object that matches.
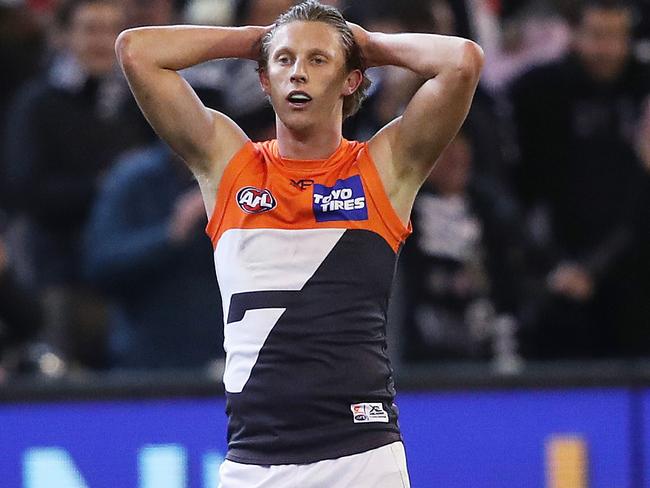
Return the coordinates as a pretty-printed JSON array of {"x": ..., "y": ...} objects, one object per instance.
[{"x": 253, "y": 200}]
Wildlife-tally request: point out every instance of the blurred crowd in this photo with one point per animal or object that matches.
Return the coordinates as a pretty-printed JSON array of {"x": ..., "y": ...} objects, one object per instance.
[{"x": 531, "y": 236}]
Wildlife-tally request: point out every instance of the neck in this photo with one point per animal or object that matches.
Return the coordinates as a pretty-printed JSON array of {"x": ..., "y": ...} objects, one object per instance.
[{"x": 312, "y": 143}]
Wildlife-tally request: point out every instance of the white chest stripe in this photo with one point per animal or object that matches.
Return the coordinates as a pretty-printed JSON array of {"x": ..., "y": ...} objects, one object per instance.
[{"x": 250, "y": 260}]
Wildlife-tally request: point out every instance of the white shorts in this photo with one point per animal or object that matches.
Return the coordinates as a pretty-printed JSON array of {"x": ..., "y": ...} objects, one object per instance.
[{"x": 383, "y": 467}]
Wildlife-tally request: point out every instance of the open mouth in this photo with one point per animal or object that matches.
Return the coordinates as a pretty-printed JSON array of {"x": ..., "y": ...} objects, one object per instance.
[{"x": 298, "y": 98}]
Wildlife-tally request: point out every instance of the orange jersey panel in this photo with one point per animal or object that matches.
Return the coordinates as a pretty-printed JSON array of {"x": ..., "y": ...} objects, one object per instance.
[{"x": 260, "y": 189}]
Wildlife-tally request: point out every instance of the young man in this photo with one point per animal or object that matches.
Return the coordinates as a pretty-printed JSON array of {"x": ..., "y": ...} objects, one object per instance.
[{"x": 306, "y": 230}]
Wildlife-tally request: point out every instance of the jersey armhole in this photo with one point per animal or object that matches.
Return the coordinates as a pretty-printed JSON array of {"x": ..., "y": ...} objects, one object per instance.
[
  {"x": 387, "y": 212},
  {"x": 233, "y": 168}
]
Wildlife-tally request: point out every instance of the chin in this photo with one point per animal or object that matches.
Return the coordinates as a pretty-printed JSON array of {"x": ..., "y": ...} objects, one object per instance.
[{"x": 300, "y": 121}]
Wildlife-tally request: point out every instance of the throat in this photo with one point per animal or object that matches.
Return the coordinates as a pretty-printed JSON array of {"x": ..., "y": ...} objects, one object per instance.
[{"x": 309, "y": 144}]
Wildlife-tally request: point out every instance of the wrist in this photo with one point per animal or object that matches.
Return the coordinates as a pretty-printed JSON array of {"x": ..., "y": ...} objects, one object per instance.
[
  {"x": 253, "y": 35},
  {"x": 378, "y": 50},
  {"x": 252, "y": 39}
]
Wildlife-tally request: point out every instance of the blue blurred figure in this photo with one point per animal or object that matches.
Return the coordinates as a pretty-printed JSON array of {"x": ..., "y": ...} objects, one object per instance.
[{"x": 145, "y": 247}]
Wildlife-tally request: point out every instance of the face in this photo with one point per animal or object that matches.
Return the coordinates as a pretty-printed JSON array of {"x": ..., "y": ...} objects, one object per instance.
[
  {"x": 603, "y": 42},
  {"x": 92, "y": 33},
  {"x": 306, "y": 77}
]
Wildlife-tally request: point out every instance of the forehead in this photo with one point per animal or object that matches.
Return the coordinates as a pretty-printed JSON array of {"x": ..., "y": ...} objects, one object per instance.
[{"x": 306, "y": 36}]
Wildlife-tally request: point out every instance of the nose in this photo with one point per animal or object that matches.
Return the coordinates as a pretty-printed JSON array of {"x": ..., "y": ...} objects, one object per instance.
[{"x": 299, "y": 74}]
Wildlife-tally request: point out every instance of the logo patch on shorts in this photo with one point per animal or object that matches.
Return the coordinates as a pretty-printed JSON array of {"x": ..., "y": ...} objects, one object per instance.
[
  {"x": 368, "y": 412},
  {"x": 253, "y": 200},
  {"x": 345, "y": 200}
]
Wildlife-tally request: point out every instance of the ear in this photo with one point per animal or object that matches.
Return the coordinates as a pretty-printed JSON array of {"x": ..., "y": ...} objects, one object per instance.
[
  {"x": 352, "y": 82},
  {"x": 264, "y": 81}
]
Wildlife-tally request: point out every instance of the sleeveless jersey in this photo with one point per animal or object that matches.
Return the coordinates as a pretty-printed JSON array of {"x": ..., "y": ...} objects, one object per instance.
[{"x": 305, "y": 254}]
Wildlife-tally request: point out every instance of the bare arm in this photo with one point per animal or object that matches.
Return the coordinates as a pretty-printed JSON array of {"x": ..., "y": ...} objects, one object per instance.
[
  {"x": 150, "y": 58},
  {"x": 408, "y": 147}
]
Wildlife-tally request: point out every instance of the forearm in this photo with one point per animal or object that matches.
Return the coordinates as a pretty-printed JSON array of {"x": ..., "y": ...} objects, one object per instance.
[
  {"x": 151, "y": 59},
  {"x": 425, "y": 54},
  {"x": 179, "y": 47}
]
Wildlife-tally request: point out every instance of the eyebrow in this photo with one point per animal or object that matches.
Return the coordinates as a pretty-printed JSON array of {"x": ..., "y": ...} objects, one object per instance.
[
  {"x": 320, "y": 52},
  {"x": 311, "y": 52}
]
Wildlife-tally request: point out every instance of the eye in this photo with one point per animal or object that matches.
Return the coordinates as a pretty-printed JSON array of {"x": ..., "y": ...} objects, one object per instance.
[
  {"x": 319, "y": 60},
  {"x": 283, "y": 59}
]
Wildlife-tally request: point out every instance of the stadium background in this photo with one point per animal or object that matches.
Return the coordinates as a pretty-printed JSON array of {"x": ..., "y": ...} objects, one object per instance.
[{"x": 496, "y": 395}]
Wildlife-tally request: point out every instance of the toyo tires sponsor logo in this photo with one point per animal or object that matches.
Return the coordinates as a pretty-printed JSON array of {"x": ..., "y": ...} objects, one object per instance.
[
  {"x": 254, "y": 200},
  {"x": 346, "y": 200}
]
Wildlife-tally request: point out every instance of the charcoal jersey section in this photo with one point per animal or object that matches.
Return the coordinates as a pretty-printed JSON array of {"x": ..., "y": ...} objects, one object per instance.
[
  {"x": 325, "y": 351},
  {"x": 305, "y": 259}
]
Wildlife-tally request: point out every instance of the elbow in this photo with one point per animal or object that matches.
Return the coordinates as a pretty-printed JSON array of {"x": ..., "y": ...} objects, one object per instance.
[
  {"x": 126, "y": 48},
  {"x": 471, "y": 61}
]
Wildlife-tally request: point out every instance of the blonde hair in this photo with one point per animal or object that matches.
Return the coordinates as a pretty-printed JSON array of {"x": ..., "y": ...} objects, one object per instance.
[{"x": 313, "y": 11}]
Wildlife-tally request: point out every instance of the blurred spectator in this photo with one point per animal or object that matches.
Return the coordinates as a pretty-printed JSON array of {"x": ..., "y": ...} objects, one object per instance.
[
  {"x": 450, "y": 17},
  {"x": 146, "y": 247},
  {"x": 635, "y": 321},
  {"x": 20, "y": 313},
  {"x": 63, "y": 131},
  {"x": 516, "y": 35},
  {"x": 643, "y": 30},
  {"x": 22, "y": 46},
  {"x": 461, "y": 267},
  {"x": 483, "y": 127},
  {"x": 577, "y": 121},
  {"x": 438, "y": 16}
]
